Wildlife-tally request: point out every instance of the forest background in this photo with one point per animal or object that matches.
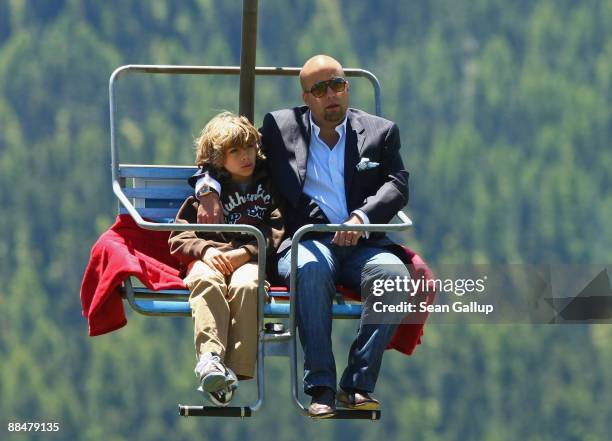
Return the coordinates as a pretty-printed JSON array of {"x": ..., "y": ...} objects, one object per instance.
[{"x": 505, "y": 112}]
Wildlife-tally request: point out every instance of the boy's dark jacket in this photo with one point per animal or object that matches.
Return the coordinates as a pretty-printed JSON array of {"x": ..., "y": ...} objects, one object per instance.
[{"x": 255, "y": 204}]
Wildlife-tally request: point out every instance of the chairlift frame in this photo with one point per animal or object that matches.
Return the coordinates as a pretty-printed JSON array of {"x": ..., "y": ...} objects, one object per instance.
[{"x": 247, "y": 71}]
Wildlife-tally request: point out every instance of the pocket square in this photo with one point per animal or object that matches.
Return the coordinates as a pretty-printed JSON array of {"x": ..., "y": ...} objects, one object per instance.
[{"x": 366, "y": 164}]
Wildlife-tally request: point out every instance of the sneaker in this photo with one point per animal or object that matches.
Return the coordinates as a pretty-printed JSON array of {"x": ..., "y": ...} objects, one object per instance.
[
  {"x": 212, "y": 373},
  {"x": 221, "y": 398}
]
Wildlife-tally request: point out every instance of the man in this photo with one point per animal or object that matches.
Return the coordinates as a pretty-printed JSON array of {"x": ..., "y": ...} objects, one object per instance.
[{"x": 332, "y": 164}]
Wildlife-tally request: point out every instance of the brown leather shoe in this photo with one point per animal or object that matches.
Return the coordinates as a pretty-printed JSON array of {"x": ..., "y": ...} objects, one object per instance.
[
  {"x": 357, "y": 400},
  {"x": 322, "y": 404}
]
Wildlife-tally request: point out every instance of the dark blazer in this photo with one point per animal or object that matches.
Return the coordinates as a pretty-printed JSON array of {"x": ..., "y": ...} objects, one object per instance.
[{"x": 379, "y": 192}]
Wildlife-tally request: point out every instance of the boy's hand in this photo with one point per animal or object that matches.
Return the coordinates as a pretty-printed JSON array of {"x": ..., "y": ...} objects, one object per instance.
[
  {"x": 209, "y": 211},
  {"x": 238, "y": 257},
  {"x": 218, "y": 261}
]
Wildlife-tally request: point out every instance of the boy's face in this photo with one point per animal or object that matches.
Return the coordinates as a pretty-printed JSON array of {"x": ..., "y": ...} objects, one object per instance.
[{"x": 240, "y": 162}]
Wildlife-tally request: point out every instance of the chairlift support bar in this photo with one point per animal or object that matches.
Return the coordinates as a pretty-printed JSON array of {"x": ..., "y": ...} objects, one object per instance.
[{"x": 248, "y": 55}]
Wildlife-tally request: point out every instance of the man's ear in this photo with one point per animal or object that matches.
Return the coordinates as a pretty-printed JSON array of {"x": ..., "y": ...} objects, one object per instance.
[{"x": 304, "y": 96}]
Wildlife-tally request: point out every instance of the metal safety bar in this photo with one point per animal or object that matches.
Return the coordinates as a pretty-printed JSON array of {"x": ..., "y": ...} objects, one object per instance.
[
  {"x": 261, "y": 269},
  {"x": 295, "y": 241}
]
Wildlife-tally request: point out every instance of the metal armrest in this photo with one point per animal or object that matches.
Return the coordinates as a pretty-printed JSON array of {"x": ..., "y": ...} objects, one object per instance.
[
  {"x": 237, "y": 228},
  {"x": 406, "y": 223}
]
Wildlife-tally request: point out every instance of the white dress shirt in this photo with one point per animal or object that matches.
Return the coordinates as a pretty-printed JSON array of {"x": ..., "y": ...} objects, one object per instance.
[{"x": 324, "y": 181}]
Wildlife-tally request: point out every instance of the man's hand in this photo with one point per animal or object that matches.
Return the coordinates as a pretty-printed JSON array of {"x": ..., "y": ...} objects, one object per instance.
[
  {"x": 209, "y": 211},
  {"x": 218, "y": 260},
  {"x": 348, "y": 238}
]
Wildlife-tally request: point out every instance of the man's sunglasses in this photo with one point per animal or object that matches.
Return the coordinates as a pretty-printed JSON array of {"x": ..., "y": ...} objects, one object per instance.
[{"x": 337, "y": 85}]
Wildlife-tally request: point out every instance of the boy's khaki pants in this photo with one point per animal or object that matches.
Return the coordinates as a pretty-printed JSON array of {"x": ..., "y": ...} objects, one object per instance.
[{"x": 224, "y": 311}]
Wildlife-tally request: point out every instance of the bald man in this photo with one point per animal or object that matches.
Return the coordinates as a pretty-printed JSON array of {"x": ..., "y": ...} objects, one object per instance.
[{"x": 332, "y": 164}]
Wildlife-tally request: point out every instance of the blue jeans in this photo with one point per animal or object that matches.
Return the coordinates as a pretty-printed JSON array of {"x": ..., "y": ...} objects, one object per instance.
[{"x": 321, "y": 265}]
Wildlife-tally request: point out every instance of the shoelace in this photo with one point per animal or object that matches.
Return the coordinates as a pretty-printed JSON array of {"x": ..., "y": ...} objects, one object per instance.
[{"x": 209, "y": 363}]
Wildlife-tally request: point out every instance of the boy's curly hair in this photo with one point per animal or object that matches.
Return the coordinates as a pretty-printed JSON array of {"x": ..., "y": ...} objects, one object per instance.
[{"x": 224, "y": 130}]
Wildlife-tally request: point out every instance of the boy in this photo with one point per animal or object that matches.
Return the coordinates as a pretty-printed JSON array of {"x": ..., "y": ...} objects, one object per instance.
[{"x": 222, "y": 267}]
